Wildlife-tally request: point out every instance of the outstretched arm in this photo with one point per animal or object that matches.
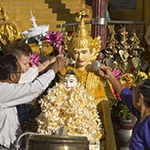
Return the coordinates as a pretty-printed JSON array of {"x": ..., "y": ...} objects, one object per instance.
[
  {"x": 16, "y": 94},
  {"x": 46, "y": 63},
  {"x": 106, "y": 73}
]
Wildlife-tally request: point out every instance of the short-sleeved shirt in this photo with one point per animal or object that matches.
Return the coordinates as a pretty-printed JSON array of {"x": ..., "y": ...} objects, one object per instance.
[{"x": 140, "y": 139}]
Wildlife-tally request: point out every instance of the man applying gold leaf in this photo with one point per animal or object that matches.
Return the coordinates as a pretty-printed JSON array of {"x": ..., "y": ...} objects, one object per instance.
[{"x": 84, "y": 50}]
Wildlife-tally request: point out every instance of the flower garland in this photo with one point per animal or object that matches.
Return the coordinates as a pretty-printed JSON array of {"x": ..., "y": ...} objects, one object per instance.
[{"x": 73, "y": 111}]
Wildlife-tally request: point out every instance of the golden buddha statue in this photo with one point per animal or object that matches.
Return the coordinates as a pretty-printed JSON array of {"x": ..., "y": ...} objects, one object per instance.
[{"x": 84, "y": 50}]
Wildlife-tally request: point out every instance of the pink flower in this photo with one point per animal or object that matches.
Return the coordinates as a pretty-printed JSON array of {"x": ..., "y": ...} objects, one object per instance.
[
  {"x": 118, "y": 76},
  {"x": 116, "y": 73},
  {"x": 35, "y": 59},
  {"x": 55, "y": 39}
]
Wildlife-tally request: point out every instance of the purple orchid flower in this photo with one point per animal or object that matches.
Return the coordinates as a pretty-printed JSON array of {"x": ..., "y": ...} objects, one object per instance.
[
  {"x": 55, "y": 39},
  {"x": 35, "y": 59}
]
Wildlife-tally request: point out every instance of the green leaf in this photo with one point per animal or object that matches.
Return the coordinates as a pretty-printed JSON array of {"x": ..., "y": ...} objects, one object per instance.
[
  {"x": 124, "y": 117},
  {"x": 119, "y": 114}
]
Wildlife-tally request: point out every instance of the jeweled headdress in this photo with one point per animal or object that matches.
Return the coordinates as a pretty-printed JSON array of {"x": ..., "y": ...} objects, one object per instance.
[{"x": 82, "y": 38}]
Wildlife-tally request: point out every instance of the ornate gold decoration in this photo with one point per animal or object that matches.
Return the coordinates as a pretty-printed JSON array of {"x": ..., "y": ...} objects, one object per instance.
[
  {"x": 124, "y": 35},
  {"x": 3, "y": 15},
  {"x": 82, "y": 39},
  {"x": 9, "y": 31},
  {"x": 81, "y": 14},
  {"x": 123, "y": 50},
  {"x": 127, "y": 79},
  {"x": 135, "y": 62}
]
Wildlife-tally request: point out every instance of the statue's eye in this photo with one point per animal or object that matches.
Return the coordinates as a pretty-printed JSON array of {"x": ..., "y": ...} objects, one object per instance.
[
  {"x": 84, "y": 51},
  {"x": 65, "y": 80},
  {"x": 75, "y": 52},
  {"x": 71, "y": 81}
]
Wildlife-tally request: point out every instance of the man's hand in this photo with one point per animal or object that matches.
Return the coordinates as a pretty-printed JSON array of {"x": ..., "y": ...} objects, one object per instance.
[
  {"x": 28, "y": 125},
  {"x": 60, "y": 56},
  {"x": 59, "y": 64},
  {"x": 52, "y": 60},
  {"x": 105, "y": 72}
]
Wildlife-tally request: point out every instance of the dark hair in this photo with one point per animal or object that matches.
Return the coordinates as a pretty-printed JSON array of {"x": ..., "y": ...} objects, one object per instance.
[
  {"x": 144, "y": 89},
  {"x": 18, "y": 51},
  {"x": 71, "y": 72},
  {"x": 7, "y": 66}
]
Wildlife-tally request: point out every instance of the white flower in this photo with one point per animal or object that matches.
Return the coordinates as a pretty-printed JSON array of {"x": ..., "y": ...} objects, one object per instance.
[{"x": 74, "y": 111}]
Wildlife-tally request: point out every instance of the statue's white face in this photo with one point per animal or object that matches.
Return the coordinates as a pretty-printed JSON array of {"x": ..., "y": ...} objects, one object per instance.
[{"x": 69, "y": 82}]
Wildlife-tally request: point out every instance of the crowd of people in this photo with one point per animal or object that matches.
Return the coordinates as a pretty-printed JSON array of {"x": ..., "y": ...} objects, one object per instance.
[{"x": 20, "y": 85}]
